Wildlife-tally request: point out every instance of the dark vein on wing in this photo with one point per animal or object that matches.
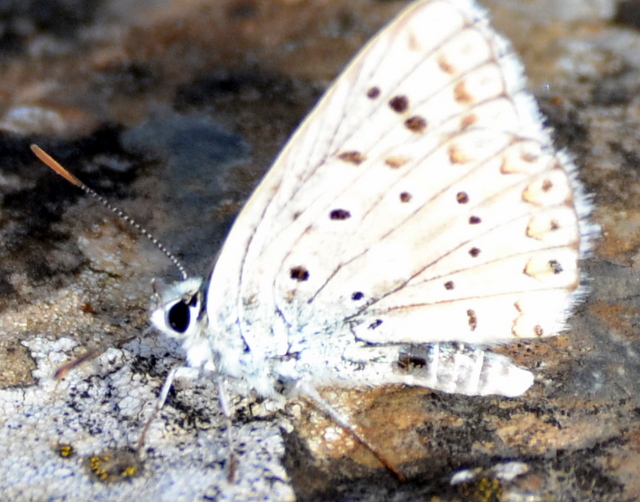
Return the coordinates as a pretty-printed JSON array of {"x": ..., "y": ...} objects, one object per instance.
[{"x": 352, "y": 97}]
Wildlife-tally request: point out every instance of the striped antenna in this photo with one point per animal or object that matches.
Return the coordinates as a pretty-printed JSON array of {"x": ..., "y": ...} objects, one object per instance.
[{"x": 55, "y": 166}]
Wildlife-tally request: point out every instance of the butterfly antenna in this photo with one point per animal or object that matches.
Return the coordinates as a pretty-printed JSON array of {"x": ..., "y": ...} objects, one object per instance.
[{"x": 55, "y": 166}]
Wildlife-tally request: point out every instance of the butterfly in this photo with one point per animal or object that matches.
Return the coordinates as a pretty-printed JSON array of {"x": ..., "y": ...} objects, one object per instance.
[
  {"x": 421, "y": 204},
  {"x": 418, "y": 215}
]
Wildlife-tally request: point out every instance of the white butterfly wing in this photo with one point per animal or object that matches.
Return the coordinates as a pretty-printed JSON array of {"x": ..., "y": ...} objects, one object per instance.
[{"x": 419, "y": 202}]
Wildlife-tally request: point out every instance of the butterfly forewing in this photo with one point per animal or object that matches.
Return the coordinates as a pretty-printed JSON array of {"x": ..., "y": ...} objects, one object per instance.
[{"x": 419, "y": 202}]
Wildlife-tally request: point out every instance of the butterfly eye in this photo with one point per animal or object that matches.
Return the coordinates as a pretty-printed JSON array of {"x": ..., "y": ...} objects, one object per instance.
[{"x": 179, "y": 317}]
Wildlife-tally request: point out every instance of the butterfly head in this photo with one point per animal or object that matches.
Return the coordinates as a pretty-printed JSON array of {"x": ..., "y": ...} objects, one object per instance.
[{"x": 177, "y": 308}]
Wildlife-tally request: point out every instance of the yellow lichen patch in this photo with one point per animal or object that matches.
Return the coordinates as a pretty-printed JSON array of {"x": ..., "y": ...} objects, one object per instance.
[
  {"x": 114, "y": 465},
  {"x": 65, "y": 450},
  {"x": 482, "y": 490}
]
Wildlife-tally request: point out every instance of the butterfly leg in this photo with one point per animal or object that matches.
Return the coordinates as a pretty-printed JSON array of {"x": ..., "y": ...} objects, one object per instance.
[
  {"x": 306, "y": 390},
  {"x": 225, "y": 404},
  {"x": 185, "y": 372},
  {"x": 162, "y": 398}
]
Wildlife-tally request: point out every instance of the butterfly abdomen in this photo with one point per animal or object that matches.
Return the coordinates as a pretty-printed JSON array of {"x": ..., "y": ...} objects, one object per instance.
[{"x": 461, "y": 369}]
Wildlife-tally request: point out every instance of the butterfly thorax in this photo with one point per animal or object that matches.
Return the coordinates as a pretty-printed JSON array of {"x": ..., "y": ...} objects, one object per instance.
[{"x": 179, "y": 310}]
